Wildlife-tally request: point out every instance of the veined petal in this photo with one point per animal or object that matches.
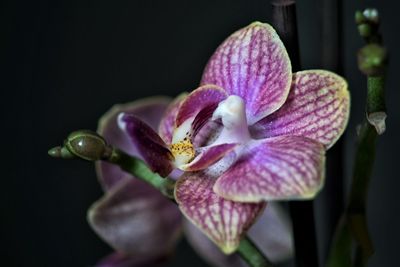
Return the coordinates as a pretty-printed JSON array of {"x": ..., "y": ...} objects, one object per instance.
[
  {"x": 167, "y": 124},
  {"x": 223, "y": 221},
  {"x": 276, "y": 168},
  {"x": 318, "y": 107},
  {"x": 197, "y": 100},
  {"x": 208, "y": 156},
  {"x": 271, "y": 233},
  {"x": 253, "y": 64},
  {"x": 148, "y": 143},
  {"x": 148, "y": 110},
  {"x": 135, "y": 219}
]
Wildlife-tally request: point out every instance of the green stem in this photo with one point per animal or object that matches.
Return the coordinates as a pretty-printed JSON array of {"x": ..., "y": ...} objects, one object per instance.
[
  {"x": 140, "y": 170},
  {"x": 252, "y": 255},
  {"x": 375, "y": 96},
  {"x": 372, "y": 62}
]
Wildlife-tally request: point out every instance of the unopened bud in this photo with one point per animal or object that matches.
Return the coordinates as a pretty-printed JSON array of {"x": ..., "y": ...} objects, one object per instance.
[
  {"x": 372, "y": 15},
  {"x": 83, "y": 144},
  {"x": 372, "y": 59}
]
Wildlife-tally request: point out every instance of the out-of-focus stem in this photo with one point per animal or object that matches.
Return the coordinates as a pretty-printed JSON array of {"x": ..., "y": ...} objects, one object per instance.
[
  {"x": 251, "y": 254},
  {"x": 332, "y": 196},
  {"x": 302, "y": 212},
  {"x": 372, "y": 62},
  {"x": 284, "y": 20}
]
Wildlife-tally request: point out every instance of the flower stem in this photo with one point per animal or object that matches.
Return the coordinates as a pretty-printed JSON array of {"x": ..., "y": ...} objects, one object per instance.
[
  {"x": 251, "y": 254},
  {"x": 302, "y": 212},
  {"x": 372, "y": 62},
  {"x": 140, "y": 170},
  {"x": 330, "y": 204}
]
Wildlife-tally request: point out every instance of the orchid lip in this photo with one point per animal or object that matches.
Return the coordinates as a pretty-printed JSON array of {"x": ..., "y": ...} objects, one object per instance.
[{"x": 231, "y": 111}]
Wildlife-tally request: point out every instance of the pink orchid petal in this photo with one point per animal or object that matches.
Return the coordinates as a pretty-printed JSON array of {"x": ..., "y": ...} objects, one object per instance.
[
  {"x": 271, "y": 233},
  {"x": 318, "y": 107},
  {"x": 117, "y": 259},
  {"x": 202, "y": 118},
  {"x": 148, "y": 110},
  {"x": 148, "y": 143},
  {"x": 276, "y": 168},
  {"x": 223, "y": 221},
  {"x": 135, "y": 219},
  {"x": 197, "y": 100},
  {"x": 167, "y": 124},
  {"x": 253, "y": 64},
  {"x": 208, "y": 156}
]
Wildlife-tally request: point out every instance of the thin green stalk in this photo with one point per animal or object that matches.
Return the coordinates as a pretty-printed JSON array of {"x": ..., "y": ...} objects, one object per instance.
[
  {"x": 140, "y": 170},
  {"x": 372, "y": 62},
  {"x": 252, "y": 255}
]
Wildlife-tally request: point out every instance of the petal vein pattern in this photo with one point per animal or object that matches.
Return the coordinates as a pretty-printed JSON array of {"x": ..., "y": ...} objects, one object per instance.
[
  {"x": 278, "y": 168},
  {"x": 222, "y": 220}
]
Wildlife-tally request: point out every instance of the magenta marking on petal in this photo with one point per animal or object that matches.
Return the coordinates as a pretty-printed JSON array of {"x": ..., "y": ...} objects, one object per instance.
[
  {"x": 223, "y": 221},
  {"x": 167, "y": 124},
  {"x": 317, "y": 107},
  {"x": 197, "y": 100},
  {"x": 202, "y": 118},
  {"x": 253, "y": 64},
  {"x": 277, "y": 168},
  {"x": 148, "y": 110},
  {"x": 149, "y": 144},
  {"x": 209, "y": 156},
  {"x": 136, "y": 219}
]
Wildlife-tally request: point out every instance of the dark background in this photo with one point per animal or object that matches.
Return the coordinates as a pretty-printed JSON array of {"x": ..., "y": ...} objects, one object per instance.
[{"x": 64, "y": 63}]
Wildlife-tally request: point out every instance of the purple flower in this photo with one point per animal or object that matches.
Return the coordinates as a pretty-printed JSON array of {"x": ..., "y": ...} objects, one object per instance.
[{"x": 252, "y": 132}]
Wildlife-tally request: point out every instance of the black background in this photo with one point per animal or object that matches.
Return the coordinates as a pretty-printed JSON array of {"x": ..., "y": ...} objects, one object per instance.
[{"x": 64, "y": 63}]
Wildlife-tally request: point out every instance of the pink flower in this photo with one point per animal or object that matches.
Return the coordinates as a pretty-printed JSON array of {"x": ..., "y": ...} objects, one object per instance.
[{"x": 252, "y": 132}]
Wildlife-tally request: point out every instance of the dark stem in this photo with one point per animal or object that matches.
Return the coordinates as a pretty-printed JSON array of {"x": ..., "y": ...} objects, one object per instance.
[
  {"x": 302, "y": 212},
  {"x": 284, "y": 20},
  {"x": 332, "y": 196},
  {"x": 251, "y": 254}
]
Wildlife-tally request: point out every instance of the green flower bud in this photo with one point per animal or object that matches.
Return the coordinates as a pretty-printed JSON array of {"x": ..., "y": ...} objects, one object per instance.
[
  {"x": 364, "y": 30},
  {"x": 87, "y": 145},
  {"x": 359, "y": 17},
  {"x": 372, "y": 59},
  {"x": 372, "y": 15}
]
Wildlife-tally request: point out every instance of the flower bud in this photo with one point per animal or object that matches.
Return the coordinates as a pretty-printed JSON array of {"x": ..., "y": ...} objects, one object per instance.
[
  {"x": 359, "y": 17},
  {"x": 372, "y": 59},
  {"x": 365, "y": 30},
  {"x": 372, "y": 15},
  {"x": 87, "y": 145}
]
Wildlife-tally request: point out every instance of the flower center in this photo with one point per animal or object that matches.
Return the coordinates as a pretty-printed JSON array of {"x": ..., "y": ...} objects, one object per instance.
[
  {"x": 182, "y": 147},
  {"x": 232, "y": 112}
]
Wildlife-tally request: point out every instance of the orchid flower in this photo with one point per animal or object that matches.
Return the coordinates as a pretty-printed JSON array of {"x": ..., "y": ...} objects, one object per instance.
[
  {"x": 252, "y": 132},
  {"x": 143, "y": 226}
]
